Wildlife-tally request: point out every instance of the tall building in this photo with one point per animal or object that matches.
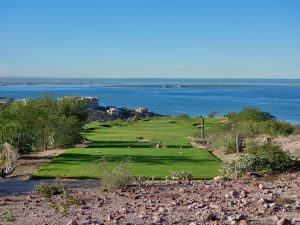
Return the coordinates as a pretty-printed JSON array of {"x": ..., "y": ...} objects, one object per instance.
[{"x": 91, "y": 102}]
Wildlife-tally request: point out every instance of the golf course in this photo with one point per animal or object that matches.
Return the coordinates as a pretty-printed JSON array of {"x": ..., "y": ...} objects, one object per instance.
[{"x": 116, "y": 141}]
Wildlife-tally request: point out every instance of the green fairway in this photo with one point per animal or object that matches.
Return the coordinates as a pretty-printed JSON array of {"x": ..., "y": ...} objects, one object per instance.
[{"x": 117, "y": 141}]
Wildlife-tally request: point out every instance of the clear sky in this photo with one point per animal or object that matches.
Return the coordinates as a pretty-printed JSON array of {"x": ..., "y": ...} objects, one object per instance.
[{"x": 150, "y": 38}]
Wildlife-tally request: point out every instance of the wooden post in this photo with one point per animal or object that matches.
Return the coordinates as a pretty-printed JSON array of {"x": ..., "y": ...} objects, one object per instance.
[{"x": 202, "y": 129}]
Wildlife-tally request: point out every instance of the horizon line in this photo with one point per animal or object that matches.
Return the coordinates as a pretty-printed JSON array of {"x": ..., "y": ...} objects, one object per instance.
[{"x": 191, "y": 78}]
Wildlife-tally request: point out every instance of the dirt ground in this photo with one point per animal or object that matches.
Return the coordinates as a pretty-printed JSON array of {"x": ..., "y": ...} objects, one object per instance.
[
  {"x": 290, "y": 144},
  {"x": 30, "y": 163}
]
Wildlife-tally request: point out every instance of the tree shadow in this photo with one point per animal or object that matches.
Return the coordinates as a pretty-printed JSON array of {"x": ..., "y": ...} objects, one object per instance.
[
  {"x": 71, "y": 158},
  {"x": 119, "y": 144},
  {"x": 128, "y": 144}
]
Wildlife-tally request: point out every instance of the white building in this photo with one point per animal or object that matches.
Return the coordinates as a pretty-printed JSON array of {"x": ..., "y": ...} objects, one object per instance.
[
  {"x": 113, "y": 111},
  {"x": 141, "y": 110}
]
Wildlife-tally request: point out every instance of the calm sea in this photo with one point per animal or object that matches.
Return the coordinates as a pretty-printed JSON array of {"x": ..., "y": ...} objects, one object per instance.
[{"x": 176, "y": 96}]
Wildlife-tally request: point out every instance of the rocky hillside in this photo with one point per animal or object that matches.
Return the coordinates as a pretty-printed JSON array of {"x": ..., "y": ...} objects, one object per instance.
[{"x": 246, "y": 201}]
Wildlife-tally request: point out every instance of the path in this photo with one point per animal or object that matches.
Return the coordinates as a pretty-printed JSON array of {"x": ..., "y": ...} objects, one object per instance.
[
  {"x": 30, "y": 163},
  {"x": 14, "y": 186},
  {"x": 19, "y": 180}
]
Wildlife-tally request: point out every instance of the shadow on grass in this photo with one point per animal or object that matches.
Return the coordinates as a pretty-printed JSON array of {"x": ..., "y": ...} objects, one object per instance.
[
  {"x": 89, "y": 130},
  {"x": 70, "y": 158},
  {"x": 127, "y": 144}
]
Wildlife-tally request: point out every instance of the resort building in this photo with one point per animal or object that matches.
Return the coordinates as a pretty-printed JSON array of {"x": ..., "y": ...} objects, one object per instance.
[
  {"x": 4, "y": 100},
  {"x": 141, "y": 110},
  {"x": 113, "y": 111},
  {"x": 91, "y": 102}
]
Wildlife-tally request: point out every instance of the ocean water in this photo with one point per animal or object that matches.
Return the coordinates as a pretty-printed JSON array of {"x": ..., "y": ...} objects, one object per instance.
[{"x": 177, "y": 96}]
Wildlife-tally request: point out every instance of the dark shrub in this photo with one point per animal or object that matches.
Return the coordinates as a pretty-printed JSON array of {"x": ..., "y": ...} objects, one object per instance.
[{"x": 251, "y": 114}]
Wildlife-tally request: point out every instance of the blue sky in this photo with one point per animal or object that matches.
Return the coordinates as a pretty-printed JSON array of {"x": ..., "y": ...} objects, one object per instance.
[{"x": 150, "y": 38}]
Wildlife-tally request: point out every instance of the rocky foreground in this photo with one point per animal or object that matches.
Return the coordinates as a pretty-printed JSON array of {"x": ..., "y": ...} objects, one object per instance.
[{"x": 246, "y": 201}]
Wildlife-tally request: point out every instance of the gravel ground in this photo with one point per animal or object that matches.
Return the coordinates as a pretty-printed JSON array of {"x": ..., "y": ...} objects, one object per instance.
[{"x": 245, "y": 201}]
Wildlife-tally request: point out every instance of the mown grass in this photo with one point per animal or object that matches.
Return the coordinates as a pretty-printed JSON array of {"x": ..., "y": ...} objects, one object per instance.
[{"x": 117, "y": 141}]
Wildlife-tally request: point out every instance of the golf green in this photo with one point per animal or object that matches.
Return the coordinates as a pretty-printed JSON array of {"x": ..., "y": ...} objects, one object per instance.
[{"x": 116, "y": 141}]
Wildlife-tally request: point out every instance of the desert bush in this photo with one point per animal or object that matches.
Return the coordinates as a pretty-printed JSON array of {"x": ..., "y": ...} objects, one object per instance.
[
  {"x": 244, "y": 164},
  {"x": 222, "y": 140},
  {"x": 58, "y": 188},
  {"x": 9, "y": 218},
  {"x": 268, "y": 127},
  {"x": 116, "y": 177},
  {"x": 264, "y": 159},
  {"x": 275, "y": 128},
  {"x": 278, "y": 160},
  {"x": 141, "y": 180},
  {"x": 181, "y": 175},
  {"x": 248, "y": 123},
  {"x": 296, "y": 130},
  {"x": 250, "y": 114},
  {"x": 48, "y": 191}
]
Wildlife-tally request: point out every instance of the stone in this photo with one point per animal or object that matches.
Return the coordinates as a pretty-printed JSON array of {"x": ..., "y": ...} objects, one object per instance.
[
  {"x": 243, "y": 194},
  {"x": 109, "y": 217},
  {"x": 193, "y": 223},
  {"x": 261, "y": 201},
  {"x": 243, "y": 222},
  {"x": 161, "y": 209},
  {"x": 261, "y": 186},
  {"x": 118, "y": 217},
  {"x": 72, "y": 222},
  {"x": 123, "y": 210},
  {"x": 85, "y": 207},
  {"x": 296, "y": 220},
  {"x": 156, "y": 219},
  {"x": 233, "y": 193},
  {"x": 241, "y": 217},
  {"x": 275, "y": 218},
  {"x": 230, "y": 218},
  {"x": 209, "y": 216},
  {"x": 219, "y": 178},
  {"x": 284, "y": 221},
  {"x": 217, "y": 223}
]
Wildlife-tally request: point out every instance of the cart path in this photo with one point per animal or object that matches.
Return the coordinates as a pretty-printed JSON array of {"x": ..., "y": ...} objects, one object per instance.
[
  {"x": 19, "y": 181},
  {"x": 13, "y": 186}
]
